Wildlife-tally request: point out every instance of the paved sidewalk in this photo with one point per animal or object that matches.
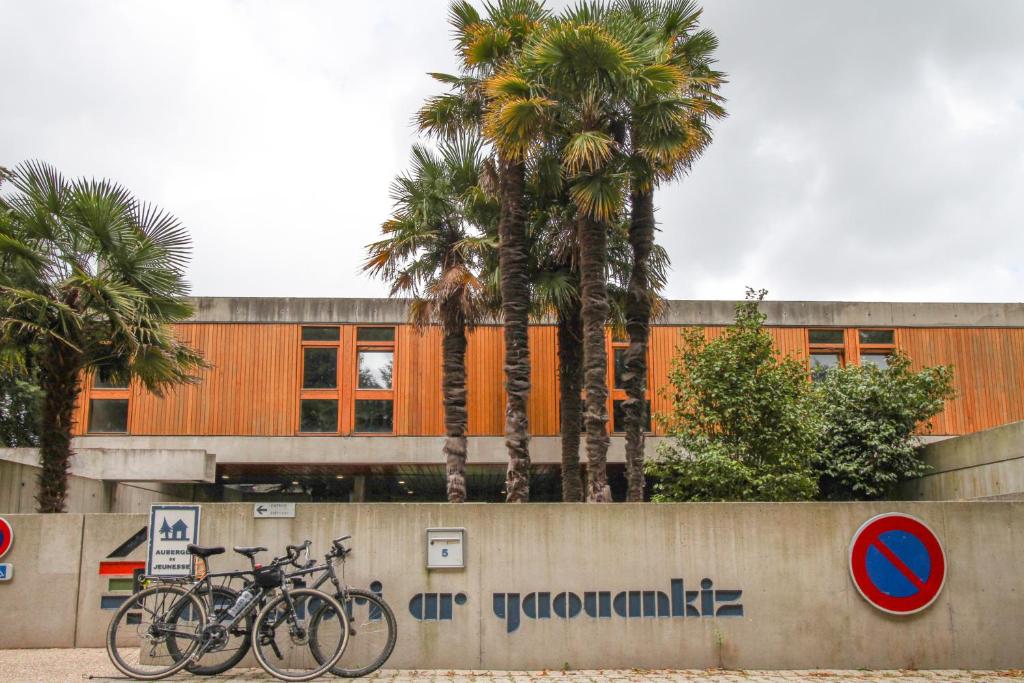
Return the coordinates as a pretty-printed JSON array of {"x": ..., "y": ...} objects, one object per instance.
[{"x": 74, "y": 666}]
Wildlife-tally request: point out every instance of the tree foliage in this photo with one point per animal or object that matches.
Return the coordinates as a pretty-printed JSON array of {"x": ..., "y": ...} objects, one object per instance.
[
  {"x": 871, "y": 415},
  {"x": 743, "y": 424}
]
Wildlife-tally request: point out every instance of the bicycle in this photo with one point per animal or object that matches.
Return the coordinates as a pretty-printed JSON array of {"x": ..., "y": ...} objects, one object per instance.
[
  {"x": 181, "y": 629},
  {"x": 372, "y": 623}
]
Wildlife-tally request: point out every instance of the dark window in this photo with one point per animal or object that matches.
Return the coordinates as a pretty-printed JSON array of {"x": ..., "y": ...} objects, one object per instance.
[
  {"x": 319, "y": 368},
  {"x": 374, "y": 416},
  {"x": 103, "y": 379},
  {"x": 318, "y": 415},
  {"x": 877, "y": 337},
  {"x": 108, "y": 415},
  {"x": 821, "y": 362},
  {"x": 375, "y": 369},
  {"x": 619, "y": 417},
  {"x": 879, "y": 360},
  {"x": 321, "y": 333},
  {"x": 620, "y": 368},
  {"x": 825, "y": 336},
  {"x": 375, "y": 334}
]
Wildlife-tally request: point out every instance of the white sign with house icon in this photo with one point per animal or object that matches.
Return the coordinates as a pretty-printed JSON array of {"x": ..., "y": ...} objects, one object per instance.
[{"x": 171, "y": 529}]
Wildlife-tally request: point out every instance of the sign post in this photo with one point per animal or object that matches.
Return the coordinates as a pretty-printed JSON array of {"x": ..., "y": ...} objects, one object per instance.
[
  {"x": 171, "y": 529},
  {"x": 897, "y": 563}
]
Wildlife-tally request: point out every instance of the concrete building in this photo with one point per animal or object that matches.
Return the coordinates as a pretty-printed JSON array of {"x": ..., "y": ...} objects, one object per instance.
[{"x": 339, "y": 399}]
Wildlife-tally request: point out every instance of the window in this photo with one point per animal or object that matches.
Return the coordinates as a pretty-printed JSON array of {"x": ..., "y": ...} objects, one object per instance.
[
  {"x": 321, "y": 333},
  {"x": 103, "y": 379},
  {"x": 827, "y": 337},
  {"x": 108, "y": 415},
  {"x": 318, "y": 415},
  {"x": 619, "y": 359},
  {"x": 619, "y": 417},
  {"x": 374, "y": 416},
  {"x": 373, "y": 412},
  {"x": 879, "y": 360},
  {"x": 320, "y": 367},
  {"x": 375, "y": 334},
  {"x": 375, "y": 369},
  {"x": 827, "y": 350},
  {"x": 871, "y": 337},
  {"x": 875, "y": 347}
]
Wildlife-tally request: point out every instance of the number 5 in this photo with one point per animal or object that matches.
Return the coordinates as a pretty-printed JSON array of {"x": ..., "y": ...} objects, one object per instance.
[{"x": 444, "y": 552}]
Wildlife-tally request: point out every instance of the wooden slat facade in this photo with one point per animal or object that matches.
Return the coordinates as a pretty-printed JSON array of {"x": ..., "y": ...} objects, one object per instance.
[{"x": 253, "y": 387}]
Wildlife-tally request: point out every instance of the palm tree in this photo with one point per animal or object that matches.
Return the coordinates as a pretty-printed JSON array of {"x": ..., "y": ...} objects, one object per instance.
[
  {"x": 569, "y": 85},
  {"x": 90, "y": 279},
  {"x": 485, "y": 46},
  {"x": 432, "y": 250},
  {"x": 668, "y": 130}
]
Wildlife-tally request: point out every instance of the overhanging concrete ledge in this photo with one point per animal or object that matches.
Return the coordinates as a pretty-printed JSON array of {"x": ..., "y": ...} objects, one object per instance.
[{"x": 170, "y": 465}]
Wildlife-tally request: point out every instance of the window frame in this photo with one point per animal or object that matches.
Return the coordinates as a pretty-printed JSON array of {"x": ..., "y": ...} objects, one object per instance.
[
  {"x": 359, "y": 394},
  {"x": 611, "y": 345},
  {"x": 334, "y": 394},
  {"x": 837, "y": 348},
  {"x": 105, "y": 396},
  {"x": 886, "y": 349}
]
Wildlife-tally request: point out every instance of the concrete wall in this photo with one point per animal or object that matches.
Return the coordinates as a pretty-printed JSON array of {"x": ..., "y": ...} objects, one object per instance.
[
  {"x": 799, "y": 607},
  {"x": 19, "y": 484},
  {"x": 983, "y": 465},
  {"x": 678, "y": 312}
]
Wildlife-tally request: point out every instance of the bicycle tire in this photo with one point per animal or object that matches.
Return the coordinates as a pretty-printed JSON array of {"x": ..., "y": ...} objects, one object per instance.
[
  {"x": 228, "y": 597},
  {"x": 137, "y": 602},
  {"x": 271, "y": 608},
  {"x": 385, "y": 613}
]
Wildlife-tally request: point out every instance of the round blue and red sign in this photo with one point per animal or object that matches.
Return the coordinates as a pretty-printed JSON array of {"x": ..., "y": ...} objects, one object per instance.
[
  {"x": 6, "y": 536},
  {"x": 897, "y": 563}
]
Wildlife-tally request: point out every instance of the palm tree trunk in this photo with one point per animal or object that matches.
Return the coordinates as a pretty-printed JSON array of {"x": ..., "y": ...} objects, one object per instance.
[
  {"x": 453, "y": 368},
  {"x": 638, "y": 325},
  {"x": 61, "y": 384},
  {"x": 570, "y": 368},
  {"x": 593, "y": 238},
  {"x": 515, "y": 309}
]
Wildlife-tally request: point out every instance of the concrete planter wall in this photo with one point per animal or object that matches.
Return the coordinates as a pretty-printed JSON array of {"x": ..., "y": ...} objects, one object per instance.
[{"x": 767, "y": 585}]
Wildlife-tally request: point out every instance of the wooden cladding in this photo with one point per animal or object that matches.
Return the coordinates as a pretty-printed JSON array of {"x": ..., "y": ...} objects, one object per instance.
[{"x": 255, "y": 383}]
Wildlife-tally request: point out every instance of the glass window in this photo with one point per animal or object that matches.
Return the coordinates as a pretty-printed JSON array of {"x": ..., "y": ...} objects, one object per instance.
[
  {"x": 321, "y": 333},
  {"x": 318, "y": 415},
  {"x": 620, "y": 368},
  {"x": 375, "y": 368},
  {"x": 619, "y": 417},
  {"x": 375, "y": 334},
  {"x": 103, "y": 379},
  {"x": 825, "y": 336},
  {"x": 822, "y": 362},
  {"x": 319, "y": 368},
  {"x": 879, "y": 360},
  {"x": 108, "y": 415},
  {"x": 374, "y": 416},
  {"x": 877, "y": 337}
]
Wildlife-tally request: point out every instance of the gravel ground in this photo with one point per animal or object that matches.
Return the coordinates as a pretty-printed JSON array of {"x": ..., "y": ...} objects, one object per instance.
[{"x": 59, "y": 666}]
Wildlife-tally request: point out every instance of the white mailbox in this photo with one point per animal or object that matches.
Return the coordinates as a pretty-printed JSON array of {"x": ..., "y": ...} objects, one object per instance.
[{"x": 446, "y": 548}]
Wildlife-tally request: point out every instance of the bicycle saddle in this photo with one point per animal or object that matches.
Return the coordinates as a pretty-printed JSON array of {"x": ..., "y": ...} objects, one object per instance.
[
  {"x": 247, "y": 551},
  {"x": 204, "y": 551}
]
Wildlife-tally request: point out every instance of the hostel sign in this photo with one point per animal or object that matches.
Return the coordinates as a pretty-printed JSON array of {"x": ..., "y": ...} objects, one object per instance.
[{"x": 171, "y": 529}]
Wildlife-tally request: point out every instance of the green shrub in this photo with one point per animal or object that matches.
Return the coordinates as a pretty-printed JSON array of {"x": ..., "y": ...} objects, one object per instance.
[{"x": 868, "y": 444}]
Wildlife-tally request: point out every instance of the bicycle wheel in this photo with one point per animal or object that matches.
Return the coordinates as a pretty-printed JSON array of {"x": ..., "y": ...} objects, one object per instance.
[
  {"x": 373, "y": 631},
  {"x": 226, "y": 647},
  {"x": 282, "y": 634},
  {"x": 140, "y": 630}
]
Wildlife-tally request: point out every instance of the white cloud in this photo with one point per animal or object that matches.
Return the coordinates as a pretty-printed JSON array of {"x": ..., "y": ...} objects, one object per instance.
[{"x": 869, "y": 154}]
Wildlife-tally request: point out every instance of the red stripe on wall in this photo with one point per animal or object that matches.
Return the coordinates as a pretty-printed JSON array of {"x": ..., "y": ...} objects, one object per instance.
[{"x": 126, "y": 568}]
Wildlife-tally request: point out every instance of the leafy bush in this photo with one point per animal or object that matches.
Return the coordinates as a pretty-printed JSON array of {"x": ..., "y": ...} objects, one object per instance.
[
  {"x": 868, "y": 444},
  {"x": 743, "y": 424}
]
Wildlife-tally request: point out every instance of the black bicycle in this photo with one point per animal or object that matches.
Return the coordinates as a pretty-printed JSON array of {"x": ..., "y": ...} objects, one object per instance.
[
  {"x": 372, "y": 623},
  {"x": 168, "y": 627}
]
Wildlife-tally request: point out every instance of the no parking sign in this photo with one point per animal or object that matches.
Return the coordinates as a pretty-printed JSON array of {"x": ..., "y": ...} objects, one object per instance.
[{"x": 897, "y": 563}]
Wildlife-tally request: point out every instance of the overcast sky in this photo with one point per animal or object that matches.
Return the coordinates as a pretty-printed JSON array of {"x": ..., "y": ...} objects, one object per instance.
[{"x": 874, "y": 150}]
